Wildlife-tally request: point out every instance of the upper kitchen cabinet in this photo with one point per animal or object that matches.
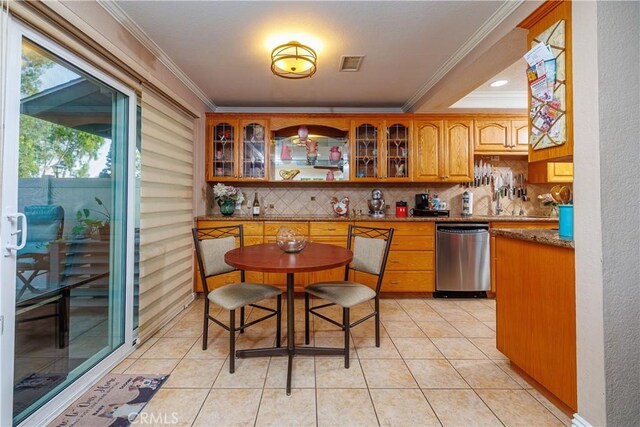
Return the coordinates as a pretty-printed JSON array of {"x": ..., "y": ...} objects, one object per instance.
[
  {"x": 366, "y": 137},
  {"x": 501, "y": 136},
  {"x": 444, "y": 151},
  {"x": 397, "y": 152},
  {"x": 236, "y": 149},
  {"x": 551, "y": 119},
  {"x": 429, "y": 137},
  {"x": 221, "y": 150},
  {"x": 458, "y": 151},
  {"x": 253, "y": 151}
]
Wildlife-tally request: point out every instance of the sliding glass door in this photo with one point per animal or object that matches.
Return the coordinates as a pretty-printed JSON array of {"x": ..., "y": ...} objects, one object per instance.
[{"x": 70, "y": 251}]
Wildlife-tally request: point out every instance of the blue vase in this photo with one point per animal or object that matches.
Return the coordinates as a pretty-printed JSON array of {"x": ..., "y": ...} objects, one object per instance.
[
  {"x": 565, "y": 222},
  {"x": 227, "y": 207}
]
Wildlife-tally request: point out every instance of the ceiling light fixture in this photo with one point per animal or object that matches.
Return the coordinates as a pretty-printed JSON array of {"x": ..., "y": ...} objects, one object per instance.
[
  {"x": 293, "y": 60},
  {"x": 499, "y": 83}
]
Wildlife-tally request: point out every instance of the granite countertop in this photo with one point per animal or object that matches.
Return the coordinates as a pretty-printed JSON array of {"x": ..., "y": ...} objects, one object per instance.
[
  {"x": 545, "y": 237},
  {"x": 477, "y": 218}
]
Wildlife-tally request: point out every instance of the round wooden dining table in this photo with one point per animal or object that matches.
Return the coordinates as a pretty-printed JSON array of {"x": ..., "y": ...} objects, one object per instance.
[{"x": 269, "y": 258}]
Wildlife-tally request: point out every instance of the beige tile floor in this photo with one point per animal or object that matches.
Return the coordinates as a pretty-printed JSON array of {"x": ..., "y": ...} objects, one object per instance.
[{"x": 437, "y": 365}]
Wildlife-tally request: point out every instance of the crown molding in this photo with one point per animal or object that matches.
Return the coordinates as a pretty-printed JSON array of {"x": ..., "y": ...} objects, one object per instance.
[
  {"x": 112, "y": 7},
  {"x": 347, "y": 110},
  {"x": 506, "y": 9}
]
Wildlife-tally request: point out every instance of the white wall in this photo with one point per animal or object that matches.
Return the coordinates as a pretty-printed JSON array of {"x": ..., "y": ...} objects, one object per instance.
[
  {"x": 607, "y": 154},
  {"x": 619, "y": 108},
  {"x": 587, "y": 216}
]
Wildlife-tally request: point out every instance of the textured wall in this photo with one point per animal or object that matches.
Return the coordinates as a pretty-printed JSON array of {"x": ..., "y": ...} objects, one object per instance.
[
  {"x": 619, "y": 101},
  {"x": 297, "y": 200},
  {"x": 588, "y": 217}
]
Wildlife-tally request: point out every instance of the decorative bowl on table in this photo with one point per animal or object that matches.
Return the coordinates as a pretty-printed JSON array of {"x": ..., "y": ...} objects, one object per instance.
[{"x": 290, "y": 240}]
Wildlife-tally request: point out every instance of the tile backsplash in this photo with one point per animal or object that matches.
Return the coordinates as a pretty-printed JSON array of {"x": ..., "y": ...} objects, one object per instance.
[{"x": 316, "y": 200}]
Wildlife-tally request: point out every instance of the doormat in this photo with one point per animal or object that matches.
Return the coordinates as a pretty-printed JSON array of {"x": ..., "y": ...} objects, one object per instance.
[{"x": 115, "y": 401}]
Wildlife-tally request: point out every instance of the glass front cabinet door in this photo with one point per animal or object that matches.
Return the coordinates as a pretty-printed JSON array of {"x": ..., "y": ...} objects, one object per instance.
[
  {"x": 253, "y": 151},
  {"x": 397, "y": 153},
  {"x": 222, "y": 140},
  {"x": 366, "y": 150}
]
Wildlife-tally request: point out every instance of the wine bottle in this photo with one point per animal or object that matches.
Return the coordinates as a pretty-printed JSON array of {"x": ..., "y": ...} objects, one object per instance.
[{"x": 256, "y": 205}]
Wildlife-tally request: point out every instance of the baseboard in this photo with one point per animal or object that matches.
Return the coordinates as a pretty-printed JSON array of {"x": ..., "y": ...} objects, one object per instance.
[{"x": 578, "y": 421}]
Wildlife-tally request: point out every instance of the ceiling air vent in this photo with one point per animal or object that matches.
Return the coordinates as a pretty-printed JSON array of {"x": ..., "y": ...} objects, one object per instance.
[{"x": 350, "y": 62}]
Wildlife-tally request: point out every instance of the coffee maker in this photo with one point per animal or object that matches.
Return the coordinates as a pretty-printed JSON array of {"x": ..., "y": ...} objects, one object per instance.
[
  {"x": 425, "y": 206},
  {"x": 376, "y": 204}
]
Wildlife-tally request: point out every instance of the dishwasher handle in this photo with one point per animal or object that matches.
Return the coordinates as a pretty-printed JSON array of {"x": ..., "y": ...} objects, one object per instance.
[{"x": 463, "y": 230}]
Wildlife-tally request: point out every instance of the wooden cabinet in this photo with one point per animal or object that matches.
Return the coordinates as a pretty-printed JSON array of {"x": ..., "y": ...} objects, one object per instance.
[
  {"x": 514, "y": 224},
  {"x": 457, "y": 155},
  {"x": 397, "y": 151},
  {"x": 366, "y": 152},
  {"x": 501, "y": 136},
  {"x": 221, "y": 149},
  {"x": 551, "y": 173},
  {"x": 410, "y": 266},
  {"x": 333, "y": 233},
  {"x": 520, "y": 136},
  {"x": 536, "y": 313},
  {"x": 253, "y": 150},
  {"x": 429, "y": 136},
  {"x": 236, "y": 150},
  {"x": 445, "y": 151}
]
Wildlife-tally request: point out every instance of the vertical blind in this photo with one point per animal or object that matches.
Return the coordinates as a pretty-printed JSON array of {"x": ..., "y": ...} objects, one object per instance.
[{"x": 166, "y": 212}]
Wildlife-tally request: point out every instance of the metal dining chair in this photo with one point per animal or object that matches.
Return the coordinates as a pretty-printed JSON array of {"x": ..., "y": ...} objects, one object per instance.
[
  {"x": 370, "y": 252},
  {"x": 211, "y": 245}
]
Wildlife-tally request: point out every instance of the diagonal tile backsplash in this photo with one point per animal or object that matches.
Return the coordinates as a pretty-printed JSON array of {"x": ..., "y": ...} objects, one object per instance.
[{"x": 315, "y": 200}]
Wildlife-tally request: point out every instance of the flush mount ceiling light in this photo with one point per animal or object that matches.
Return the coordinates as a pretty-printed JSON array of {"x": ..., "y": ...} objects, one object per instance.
[
  {"x": 499, "y": 83},
  {"x": 293, "y": 60}
]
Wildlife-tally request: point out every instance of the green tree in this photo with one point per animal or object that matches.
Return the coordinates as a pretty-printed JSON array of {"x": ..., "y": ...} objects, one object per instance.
[{"x": 44, "y": 144}]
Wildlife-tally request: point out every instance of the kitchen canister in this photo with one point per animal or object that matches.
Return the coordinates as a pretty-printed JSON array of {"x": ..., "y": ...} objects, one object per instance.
[{"x": 565, "y": 222}]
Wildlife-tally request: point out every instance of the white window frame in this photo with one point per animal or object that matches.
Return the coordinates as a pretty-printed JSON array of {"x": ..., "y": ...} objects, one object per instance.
[{"x": 18, "y": 31}]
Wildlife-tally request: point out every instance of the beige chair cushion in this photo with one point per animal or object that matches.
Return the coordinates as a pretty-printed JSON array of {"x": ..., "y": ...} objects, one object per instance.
[
  {"x": 238, "y": 295},
  {"x": 345, "y": 294},
  {"x": 368, "y": 254},
  {"x": 213, "y": 251}
]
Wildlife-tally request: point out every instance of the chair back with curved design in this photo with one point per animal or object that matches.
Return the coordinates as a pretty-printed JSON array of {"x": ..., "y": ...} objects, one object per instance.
[
  {"x": 370, "y": 248},
  {"x": 211, "y": 245}
]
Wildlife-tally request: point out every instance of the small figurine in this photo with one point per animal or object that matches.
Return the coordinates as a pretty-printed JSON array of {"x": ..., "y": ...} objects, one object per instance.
[
  {"x": 334, "y": 154},
  {"x": 340, "y": 207},
  {"x": 400, "y": 170},
  {"x": 285, "y": 153}
]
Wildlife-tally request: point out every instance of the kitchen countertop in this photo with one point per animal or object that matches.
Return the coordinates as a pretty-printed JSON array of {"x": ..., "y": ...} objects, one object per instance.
[
  {"x": 545, "y": 237},
  {"x": 478, "y": 218}
]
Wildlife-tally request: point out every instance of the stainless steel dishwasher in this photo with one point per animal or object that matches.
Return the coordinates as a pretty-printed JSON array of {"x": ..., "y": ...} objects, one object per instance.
[{"x": 462, "y": 260}]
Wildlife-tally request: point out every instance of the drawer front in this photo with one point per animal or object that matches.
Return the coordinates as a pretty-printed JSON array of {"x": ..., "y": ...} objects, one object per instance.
[
  {"x": 415, "y": 243},
  {"x": 400, "y": 281},
  {"x": 328, "y": 229},
  {"x": 339, "y": 241},
  {"x": 251, "y": 228},
  {"x": 271, "y": 228},
  {"x": 403, "y": 228},
  {"x": 410, "y": 261},
  {"x": 546, "y": 225}
]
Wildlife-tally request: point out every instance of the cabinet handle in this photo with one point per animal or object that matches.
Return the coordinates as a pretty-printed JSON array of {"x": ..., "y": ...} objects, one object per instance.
[
  {"x": 394, "y": 282},
  {"x": 331, "y": 229},
  {"x": 394, "y": 261}
]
